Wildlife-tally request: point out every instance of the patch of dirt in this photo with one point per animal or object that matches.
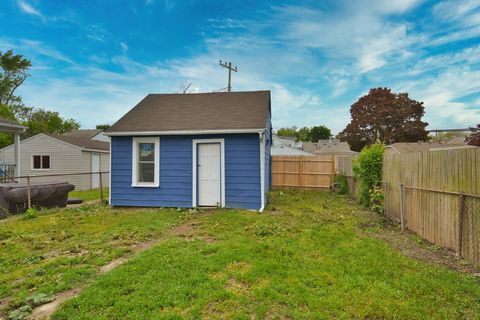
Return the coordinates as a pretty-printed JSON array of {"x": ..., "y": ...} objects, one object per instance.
[
  {"x": 413, "y": 246},
  {"x": 46, "y": 310},
  {"x": 275, "y": 212},
  {"x": 190, "y": 232},
  {"x": 52, "y": 254},
  {"x": 237, "y": 287},
  {"x": 183, "y": 230},
  {"x": 112, "y": 265},
  {"x": 238, "y": 267},
  {"x": 4, "y": 304}
]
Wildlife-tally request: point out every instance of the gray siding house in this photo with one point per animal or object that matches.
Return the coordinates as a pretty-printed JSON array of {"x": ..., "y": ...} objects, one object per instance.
[{"x": 76, "y": 152}]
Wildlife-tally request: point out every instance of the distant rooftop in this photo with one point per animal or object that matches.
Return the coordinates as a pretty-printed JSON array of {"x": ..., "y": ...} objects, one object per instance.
[
  {"x": 405, "y": 147},
  {"x": 83, "y": 142},
  {"x": 328, "y": 146},
  {"x": 82, "y": 133}
]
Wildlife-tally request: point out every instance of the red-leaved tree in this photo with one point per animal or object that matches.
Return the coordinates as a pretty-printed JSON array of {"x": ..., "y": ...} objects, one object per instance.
[
  {"x": 384, "y": 116},
  {"x": 474, "y": 138}
]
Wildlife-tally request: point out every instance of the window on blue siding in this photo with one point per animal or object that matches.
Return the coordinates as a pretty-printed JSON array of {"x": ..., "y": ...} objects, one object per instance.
[{"x": 145, "y": 162}]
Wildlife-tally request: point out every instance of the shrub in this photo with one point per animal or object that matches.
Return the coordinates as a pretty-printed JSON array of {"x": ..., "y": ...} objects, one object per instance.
[
  {"x": 30, "y": 213},
  {"x": 376, "y": 200},
  {"x": 342, "y": 181},
  {"x": 368, "y": 168}
]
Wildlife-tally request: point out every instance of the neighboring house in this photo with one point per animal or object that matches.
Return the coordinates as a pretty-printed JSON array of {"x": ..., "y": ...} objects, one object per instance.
[
  {"x": 406, "y": 147},
  {"x": 45, "y": 154},
  {"x": 328, "y": 146},
  {"x": 283, "y": 150},
  {"x": 91, "y": 134},
  {"x": 189, "y": 150},
  {"x": 287, "y": 141},
  {"x": 340, "y": 151},
  {"x": 285, "y": 147}
]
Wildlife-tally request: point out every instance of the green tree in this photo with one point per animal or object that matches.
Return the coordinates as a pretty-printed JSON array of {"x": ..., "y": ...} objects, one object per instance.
[
  {"x": 319, "y": 132},
  {"x": 103, "y": 126},
  {"x": 13, "y": 72},
  {"x": 6, "y": 113},
  {"x": 42, "y": 121},
  {"x": 287, "y": 131},
  {"x": 303, "y": 134}
]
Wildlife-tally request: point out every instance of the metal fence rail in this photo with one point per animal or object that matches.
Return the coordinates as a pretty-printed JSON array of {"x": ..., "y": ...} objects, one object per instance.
[{"x": 21, "y": 193}]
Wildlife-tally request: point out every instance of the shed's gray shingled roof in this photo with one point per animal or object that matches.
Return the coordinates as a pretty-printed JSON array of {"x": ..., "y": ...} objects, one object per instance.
[{"x": 197, "y": 111}]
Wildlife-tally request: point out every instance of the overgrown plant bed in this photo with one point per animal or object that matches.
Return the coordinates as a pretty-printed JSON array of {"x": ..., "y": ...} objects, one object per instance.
[{"x": 304, "y": 257}]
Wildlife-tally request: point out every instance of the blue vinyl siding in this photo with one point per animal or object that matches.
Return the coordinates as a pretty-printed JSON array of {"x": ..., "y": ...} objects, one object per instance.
[{"x": 242, "y": 172}]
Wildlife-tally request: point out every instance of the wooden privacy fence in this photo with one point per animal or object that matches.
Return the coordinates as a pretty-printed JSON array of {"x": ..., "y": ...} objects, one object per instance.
[
  {"x": 305, "y": 172},
  {"x": 436, "y": 195},
  {"x": 345, "y": 167}
]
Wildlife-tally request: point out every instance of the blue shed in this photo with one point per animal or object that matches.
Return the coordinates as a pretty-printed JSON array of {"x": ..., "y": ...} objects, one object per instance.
[{"x": 189, "y": 150}]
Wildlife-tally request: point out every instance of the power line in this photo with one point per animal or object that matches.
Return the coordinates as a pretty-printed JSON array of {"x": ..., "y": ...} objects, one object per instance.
[{"x": 230, "y": 69}]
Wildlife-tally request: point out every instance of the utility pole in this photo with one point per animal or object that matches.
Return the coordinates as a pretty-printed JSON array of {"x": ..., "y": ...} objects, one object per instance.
[{"x": 230, "y": 69}]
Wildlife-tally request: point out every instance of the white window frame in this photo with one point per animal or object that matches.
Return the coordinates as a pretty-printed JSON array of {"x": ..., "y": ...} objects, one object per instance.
[
  {"x": 156, "y": 173},
  {"x": 41, "y": 162},
  {"x": 195, "y": 142}
]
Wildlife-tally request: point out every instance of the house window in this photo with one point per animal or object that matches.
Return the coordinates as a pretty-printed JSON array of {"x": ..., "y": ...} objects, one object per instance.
[
  {"x": 145, "y": 162},
  {"x": 41, "y": 162}
]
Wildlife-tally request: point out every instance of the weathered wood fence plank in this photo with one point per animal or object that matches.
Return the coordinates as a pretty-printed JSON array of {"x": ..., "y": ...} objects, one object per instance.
[
  {"x": 305, "y": 172},
  {"x": 441, "y": 196}
]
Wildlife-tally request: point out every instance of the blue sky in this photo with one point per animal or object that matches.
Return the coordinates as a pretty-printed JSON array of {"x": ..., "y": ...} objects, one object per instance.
[{"x": 94, "y": 60}]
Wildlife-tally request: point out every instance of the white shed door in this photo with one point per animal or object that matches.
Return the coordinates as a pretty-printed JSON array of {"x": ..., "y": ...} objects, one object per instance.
[
  {"x": 95, "y": 168},
  {"x": 209, "y": 174}
]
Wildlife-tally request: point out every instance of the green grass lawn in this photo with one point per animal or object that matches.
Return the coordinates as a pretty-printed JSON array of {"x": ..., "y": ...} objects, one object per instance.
[
  {"x": 304, "y": 257},
  {"x": 88, "y": 195},
  {"x": 58, "y": 250}
]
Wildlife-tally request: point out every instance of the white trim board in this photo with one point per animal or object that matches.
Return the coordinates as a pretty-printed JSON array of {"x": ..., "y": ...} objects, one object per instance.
[
  {"x": 156, "y": 172},
  {"x": 195, "y": 142},
  {"x": 110, "y": 172},
  {"x": 182, "y": 132},
  {"x": 261, "y": 138}
]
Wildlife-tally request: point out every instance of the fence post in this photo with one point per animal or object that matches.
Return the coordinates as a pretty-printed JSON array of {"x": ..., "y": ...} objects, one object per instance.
[
  {"x": 101, "y": 187},
  {"x": 461, "y": 199},
  {"x": 300, "y": 177},
  {"x": 401, "y": 206},
  {"x": 332, "y": 177},
  {"x": 385, "y": 200},
  {"x": 354, "y": 191},
  {"x": 29, "y": 195}
]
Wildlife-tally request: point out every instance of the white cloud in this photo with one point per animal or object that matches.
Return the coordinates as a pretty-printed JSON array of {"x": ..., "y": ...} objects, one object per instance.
[
  {"x": 124, "y": 47},
  {"x": 29, "y": 9},
  {"x": 357, "y": 33},
  {"x": 443, "y": 95}
]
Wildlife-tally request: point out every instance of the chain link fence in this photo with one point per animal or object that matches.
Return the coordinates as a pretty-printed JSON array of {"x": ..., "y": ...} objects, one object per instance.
[{"x": 18, "y": 194}]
